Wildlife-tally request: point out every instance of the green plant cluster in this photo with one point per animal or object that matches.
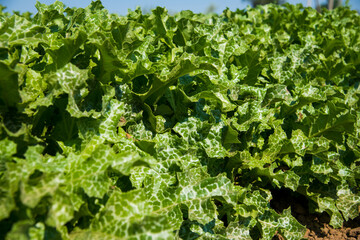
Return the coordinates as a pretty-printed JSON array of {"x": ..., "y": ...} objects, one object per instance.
[{"x": 159, "y": 126}]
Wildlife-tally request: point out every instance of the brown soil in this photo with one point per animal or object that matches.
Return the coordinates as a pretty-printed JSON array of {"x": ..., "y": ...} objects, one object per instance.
[{"x": 317, "y": 225}]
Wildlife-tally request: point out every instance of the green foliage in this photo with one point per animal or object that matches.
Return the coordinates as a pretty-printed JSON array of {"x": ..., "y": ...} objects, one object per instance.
[
  {"x": 158, "y": 126},
  {"x": 254, "y": 3}
]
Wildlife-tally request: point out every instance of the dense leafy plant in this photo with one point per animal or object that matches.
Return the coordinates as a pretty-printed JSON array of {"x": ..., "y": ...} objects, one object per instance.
[{"x": 158, "y": 126}]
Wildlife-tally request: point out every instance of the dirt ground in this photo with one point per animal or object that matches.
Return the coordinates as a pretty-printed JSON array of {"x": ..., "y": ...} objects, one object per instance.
[{"x": 317, "y": 225}]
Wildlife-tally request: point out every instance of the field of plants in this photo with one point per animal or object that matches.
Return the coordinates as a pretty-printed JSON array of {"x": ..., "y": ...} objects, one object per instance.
[{"x": 177, "y": 126}]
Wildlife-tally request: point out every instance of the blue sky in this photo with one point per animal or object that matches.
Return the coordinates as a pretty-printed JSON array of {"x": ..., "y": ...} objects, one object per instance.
[{"x": 121, "y": 6}]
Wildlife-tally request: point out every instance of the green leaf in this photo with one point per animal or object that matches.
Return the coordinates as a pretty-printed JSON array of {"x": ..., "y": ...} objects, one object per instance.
[
  {"x": 9, "y": 94},
  {"x": 348, "y": 202}
]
